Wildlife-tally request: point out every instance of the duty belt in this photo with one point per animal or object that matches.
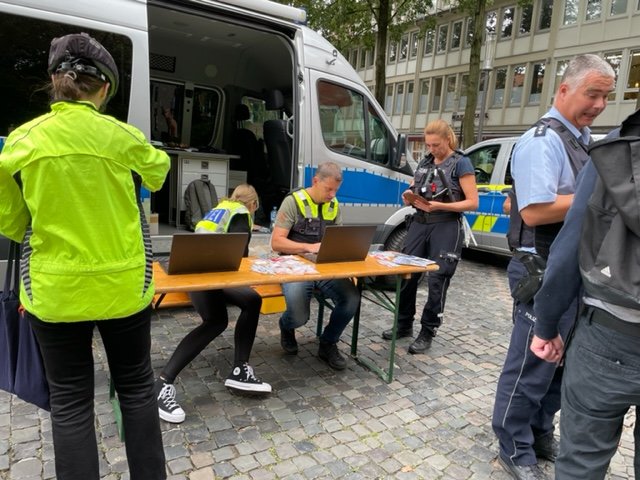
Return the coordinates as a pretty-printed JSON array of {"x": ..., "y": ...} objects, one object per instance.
[{"x": 435, "y": 217}]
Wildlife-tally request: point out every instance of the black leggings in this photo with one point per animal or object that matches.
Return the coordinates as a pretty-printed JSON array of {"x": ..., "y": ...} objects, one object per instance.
[{"x": 212, "y": 307}]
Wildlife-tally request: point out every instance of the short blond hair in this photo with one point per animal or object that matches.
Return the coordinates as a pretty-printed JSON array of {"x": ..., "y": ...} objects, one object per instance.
[
  {"x": 442, "y": 129},
  {"x": 245, "y": 194}
]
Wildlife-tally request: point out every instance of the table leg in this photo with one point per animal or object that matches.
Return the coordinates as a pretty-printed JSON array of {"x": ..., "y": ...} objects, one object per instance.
[{"x": 385, "y": 302}]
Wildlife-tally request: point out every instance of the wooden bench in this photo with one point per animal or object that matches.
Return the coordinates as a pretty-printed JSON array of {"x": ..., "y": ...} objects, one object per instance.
[{"x": 272, "y": 299}]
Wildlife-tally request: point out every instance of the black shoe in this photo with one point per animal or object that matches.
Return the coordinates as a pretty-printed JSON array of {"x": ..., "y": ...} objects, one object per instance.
[
  {"x": 288, "y": 341},
  {"x": 546, "y": 447},
  {"x": 422, "y": 343},
  {"x": 329, "y": 353},
  {"x": 523, "y": 472},
  {"x": 242, "y": 379},
  {"x": 400, "y": 333}
]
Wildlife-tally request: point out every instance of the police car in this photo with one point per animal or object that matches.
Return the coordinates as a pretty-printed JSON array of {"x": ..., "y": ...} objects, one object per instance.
[{"x": 491, "y": 161}]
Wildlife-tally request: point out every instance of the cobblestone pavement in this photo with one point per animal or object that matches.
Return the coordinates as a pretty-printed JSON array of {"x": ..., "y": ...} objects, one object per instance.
[{"x": 431, "y": 422}]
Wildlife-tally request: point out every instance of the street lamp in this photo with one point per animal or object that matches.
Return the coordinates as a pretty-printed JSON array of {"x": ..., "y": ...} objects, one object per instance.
[{"x": 487, "y": 66}]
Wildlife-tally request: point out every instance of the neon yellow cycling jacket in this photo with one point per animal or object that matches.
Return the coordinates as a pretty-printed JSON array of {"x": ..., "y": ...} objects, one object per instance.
[{"x": 86, "y": 246}]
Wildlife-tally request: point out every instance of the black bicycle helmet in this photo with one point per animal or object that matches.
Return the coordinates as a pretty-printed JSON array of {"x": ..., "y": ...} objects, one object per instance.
[{"x": 81, "y": 53}]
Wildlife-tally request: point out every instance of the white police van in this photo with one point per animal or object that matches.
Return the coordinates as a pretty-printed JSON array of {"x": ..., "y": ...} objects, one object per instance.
[{"x": 234, "y": 90}]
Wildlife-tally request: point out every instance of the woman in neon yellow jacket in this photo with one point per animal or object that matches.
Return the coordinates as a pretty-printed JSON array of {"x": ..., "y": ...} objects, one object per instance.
[{"x": 69, "y": 181}]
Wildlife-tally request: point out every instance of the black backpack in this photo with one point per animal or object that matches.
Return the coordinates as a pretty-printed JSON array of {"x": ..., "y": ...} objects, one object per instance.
[
  {"x": 610, "y": 244},
  {"x": 199, "y": 197}
]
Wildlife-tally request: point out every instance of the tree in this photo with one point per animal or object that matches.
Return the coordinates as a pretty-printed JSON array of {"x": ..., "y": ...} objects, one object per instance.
[{"x": 369, "y": 23}]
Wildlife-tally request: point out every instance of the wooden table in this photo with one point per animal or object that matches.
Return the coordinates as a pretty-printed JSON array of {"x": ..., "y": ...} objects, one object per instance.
[{"x": 369, "y": 267}]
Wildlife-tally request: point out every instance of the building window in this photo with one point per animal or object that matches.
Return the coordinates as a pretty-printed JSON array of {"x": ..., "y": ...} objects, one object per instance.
[
  {"x": 437, "y": 94},
  {"x": 492, "y": 21},
  {"x": 615, "y": 60},
  {"x": 423, "y": 101},
  {"x": 633, "y": 81},
  {"x": 353, "y": 60},
  {"x": 500, "y": 84},
  {"x": 464, "y": 84},
  {"x": 408, "y": 101},
  {"x": 525, "y": 19},
  {"x": 546, "y": 11},
  {"x": 397, "y": 106},
  {"x": 363, "y": 59},
  {"x": 570, "y": 12},
  {"x": 456, "y": 35},
  {"x": 618, "y": 7},
  {"x": 413, "y": 45},
  {"x": 443, "y": 31},
  {"x": 369, "y": 57},
  {"x": 469, "y": 36},
  {"x": 517, "y": 85},
  {"x": 561, "y": 66},
  {"x": 506, "y": 26},
  {"x": 429, "y": 40},
  {"x": 388, "y": 99},
  {"x": 393, "y": 50},
  {"x": 537, "y": 82},
  {"x": 450, "y": 98},
  {"x": 594, "y": 10},
  {"x": 404, "y": 48}
]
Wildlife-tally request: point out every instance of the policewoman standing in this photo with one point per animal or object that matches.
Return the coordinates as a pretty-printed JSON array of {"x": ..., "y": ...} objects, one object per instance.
[
  {"x": 74, "y": 175},
  {"x": 444, "y": 186},
  {"x": 233, "y": 215}
]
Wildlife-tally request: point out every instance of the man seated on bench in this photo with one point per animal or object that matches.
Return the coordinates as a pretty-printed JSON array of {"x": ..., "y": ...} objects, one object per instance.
[{"x": 299, "y": 227}]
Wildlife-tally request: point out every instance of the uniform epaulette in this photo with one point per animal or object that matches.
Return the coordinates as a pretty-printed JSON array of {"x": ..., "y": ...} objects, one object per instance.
[{"x": 541, "y": 130}]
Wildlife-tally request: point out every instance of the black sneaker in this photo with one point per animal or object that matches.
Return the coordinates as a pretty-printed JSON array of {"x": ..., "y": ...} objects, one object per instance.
[
  {"x": 400, "y": 333},
  {"x": 422, "y": 343},
  {"x": 288, "y": 341},
  {"x": 168, "y": 409},
  {"x": 242, "y": 379},
  {"x": 329, "y": 353}
]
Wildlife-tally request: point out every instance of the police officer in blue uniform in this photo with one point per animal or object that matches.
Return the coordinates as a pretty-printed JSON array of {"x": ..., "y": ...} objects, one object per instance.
[
  {"x": 443, "y": 188},
  {"x": 545, "y": 162}
]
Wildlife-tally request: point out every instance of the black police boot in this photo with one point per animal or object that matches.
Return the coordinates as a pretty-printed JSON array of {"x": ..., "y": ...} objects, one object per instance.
[
  {"x": 329, "y": 353},
  {"x": 288, "y": 341},
  {"x": 523, "y": 472},
  {"x": 422, "y": 342},
  {"x": 401, "y": 332},
  {"x": 546, "y": 447}
]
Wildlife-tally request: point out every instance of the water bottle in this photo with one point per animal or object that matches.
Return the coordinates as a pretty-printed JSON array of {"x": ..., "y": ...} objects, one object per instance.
[{"x": 274, "y": 214}]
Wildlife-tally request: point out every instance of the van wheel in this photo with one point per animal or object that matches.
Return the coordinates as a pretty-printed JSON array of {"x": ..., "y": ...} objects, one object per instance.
[{"x": 395, "y": 241}]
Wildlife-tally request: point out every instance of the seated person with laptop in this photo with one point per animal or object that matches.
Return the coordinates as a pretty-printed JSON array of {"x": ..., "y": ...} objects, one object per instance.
[
  {"x": 299, "y": 228},
  {"x": 231, "y": 215}
]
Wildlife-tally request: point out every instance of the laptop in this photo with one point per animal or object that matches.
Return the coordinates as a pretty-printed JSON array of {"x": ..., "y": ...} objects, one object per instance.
[
  {"x": 205, "y": 252},
  {"x": 343, "y": 243}
]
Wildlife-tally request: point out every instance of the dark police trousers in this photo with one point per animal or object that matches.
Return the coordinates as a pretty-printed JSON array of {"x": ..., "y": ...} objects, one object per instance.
[
  {"x": 430, "y": 241},
  {"x": 528, "y": 392}
]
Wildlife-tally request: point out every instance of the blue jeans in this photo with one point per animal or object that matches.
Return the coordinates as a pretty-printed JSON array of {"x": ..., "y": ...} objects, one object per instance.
[
  {"x": 601, "y": 381},
  {"x": 67, "y": 352},
  {"x": 342, "y": 291}
]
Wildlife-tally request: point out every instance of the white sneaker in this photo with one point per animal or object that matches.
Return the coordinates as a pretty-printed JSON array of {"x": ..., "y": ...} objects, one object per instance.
[
  {"x": 168, "y": 409},
  {"x": 243, "y": 379}
]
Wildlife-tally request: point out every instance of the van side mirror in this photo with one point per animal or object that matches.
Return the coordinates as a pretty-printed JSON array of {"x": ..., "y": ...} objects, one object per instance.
[{"x": 400, "y": 151}]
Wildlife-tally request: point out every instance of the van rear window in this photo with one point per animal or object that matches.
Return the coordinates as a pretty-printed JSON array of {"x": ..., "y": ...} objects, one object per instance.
[{"x": 23, "y": 67}]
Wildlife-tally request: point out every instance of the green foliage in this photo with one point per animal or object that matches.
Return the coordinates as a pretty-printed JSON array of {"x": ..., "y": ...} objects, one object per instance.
[{"x": 349, "y": 23}]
